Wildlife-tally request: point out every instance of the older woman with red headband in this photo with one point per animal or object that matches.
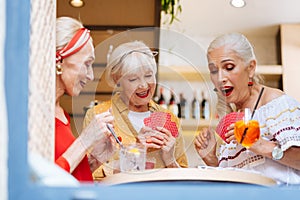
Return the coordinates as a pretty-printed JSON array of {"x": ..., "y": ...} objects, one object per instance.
[{"x": 74, "y": 59}]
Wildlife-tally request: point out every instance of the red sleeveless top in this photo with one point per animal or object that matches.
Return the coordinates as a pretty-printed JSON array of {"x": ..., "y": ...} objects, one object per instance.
[{"x": 63, "y": 139}]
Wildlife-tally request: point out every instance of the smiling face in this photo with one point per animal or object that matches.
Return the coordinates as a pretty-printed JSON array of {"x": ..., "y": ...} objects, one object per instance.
[
  {"x": 138, "y": 87},
  {"x": 77, "y": 70},
  {"x": 230, "y": 74}
]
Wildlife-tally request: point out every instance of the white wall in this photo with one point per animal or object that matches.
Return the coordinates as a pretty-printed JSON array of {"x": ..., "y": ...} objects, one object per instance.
[
  {"x": 3, "y": 121},
  {"x": 291, "y": 59}
]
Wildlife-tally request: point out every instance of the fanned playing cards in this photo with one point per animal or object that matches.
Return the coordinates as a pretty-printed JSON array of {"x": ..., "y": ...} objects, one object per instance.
[
  {"x": 161, "y": 119},
  {"x": 226, "y": 121}
]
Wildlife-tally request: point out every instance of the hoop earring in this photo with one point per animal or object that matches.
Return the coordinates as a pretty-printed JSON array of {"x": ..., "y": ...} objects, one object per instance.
[
  {"x": 250, "y": 82},
  {"x": 59, "y": 70}
]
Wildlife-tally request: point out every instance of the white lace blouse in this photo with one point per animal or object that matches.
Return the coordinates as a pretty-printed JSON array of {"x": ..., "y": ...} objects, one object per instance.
[{"x": 279, "y": 121}]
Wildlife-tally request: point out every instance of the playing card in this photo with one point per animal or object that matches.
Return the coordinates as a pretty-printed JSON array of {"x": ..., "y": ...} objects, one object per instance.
[
  {"x": 147, "y": 121},
  {"x": 161, "y": 119},
  {"x": 226, "y": 121},
  {"x": 172, "y": 127},
  {"x": 158, "y": 119}
]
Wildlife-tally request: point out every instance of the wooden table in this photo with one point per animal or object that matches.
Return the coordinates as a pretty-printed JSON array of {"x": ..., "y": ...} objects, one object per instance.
[{"x": 191, "y": 174}]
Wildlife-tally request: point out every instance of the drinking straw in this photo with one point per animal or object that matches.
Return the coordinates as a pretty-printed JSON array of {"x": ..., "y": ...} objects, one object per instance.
[
  {"x": 114, "y": 134},
  {"x": 258, "y": 99}
]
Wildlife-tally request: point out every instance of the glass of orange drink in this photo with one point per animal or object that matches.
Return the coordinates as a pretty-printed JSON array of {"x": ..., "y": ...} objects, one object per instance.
[{"x": 247, "y": 130}]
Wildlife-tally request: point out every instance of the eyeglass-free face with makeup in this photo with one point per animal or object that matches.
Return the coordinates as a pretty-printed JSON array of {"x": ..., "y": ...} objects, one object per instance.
[
  {"x": 77, "y": 70},
  {"x": 230, "y": 74}
]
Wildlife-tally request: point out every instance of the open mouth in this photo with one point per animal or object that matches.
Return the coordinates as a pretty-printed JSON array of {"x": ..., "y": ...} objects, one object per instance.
[
  {"x": 227, "y": 90},
  {"x": 143, "y": 94}
]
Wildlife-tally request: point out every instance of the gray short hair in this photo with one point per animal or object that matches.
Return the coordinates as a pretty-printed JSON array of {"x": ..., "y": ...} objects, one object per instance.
[{"x": 124, "y": 59}]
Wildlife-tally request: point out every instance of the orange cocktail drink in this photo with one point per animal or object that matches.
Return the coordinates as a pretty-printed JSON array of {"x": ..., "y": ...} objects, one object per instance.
[{"x": 246, "y": 133}]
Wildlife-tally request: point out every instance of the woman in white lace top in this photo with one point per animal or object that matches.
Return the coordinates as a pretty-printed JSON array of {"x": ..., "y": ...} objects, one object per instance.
[{"x": 232, "y": 64}]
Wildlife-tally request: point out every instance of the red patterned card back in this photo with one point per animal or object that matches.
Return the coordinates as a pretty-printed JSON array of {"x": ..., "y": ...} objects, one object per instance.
[{"x": 226, "y": 121}]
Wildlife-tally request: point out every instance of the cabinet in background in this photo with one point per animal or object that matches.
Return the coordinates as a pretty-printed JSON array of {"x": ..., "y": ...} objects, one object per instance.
[{"x": 290, "y": 52}]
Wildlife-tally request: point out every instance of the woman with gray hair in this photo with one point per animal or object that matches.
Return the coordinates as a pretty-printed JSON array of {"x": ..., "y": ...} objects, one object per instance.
[
  {"x": 131, "y": 69},
  {"x": 74, "y": 59},
  {"x": 276, "y": 153}
]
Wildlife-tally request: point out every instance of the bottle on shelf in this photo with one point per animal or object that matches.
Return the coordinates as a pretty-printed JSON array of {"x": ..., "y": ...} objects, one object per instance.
[
  {"x": 110, "y": 49},
  {"x": 155, "y": 98},
  {"x": 205, "y": 107},
  {"x": 173, "y": 107},
  {"x": 162, "y": 101},
  {"x": 195, "y": 107},
  {"x": 179, "y": 110},
  {"x": 184, "y": 109}
]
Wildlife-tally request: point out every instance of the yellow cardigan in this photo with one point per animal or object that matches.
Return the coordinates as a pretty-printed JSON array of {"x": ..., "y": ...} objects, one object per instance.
[{"x": 125, "y": 129}]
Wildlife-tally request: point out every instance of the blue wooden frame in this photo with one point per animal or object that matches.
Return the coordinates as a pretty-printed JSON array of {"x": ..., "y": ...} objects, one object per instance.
[
  {"x": 16, "y": 88},
  {"x": 20, "y": 187}
]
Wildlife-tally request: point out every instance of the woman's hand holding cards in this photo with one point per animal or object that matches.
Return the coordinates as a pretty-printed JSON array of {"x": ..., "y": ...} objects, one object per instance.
[
  {"x": 160, "y": 123},
  {"x": 151, "y": 138}
]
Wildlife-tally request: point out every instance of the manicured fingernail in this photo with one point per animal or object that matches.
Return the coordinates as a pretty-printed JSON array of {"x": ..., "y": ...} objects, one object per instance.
[{"x": 148, "y": 141}]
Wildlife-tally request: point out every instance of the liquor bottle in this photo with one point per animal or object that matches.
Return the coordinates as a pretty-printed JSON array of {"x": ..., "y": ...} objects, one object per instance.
[
  {"x": 184, "y": 112},
  {"x": 205, "y": 109},
  {"x": 162, "y": 101},
  {"x": 110, "y": 49},
  {"x": 173, "y": 105},
  {"x": 195, "y": 107}
]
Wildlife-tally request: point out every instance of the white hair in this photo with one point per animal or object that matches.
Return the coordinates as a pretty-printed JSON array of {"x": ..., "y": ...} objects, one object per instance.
[
  {"x": 66, "y": 28},
  {"x": 236, "y": 42},
  {"x": 126, "y": 58}
]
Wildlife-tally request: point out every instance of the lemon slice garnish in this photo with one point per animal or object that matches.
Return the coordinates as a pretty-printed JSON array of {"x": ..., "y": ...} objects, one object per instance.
[{"x": 135, "y": 151}]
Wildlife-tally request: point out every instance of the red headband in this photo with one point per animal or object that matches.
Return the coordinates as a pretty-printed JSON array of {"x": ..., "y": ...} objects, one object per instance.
[{"x": 77, "y": 42}]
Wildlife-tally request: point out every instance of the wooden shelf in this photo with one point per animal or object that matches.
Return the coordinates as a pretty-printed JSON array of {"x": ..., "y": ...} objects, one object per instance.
[
  {"x": 195, "y": 124},
  {"x": 269, "y": 69},
  {"x": 193, "y": 73},
  {"x": 182, "y": 73}
]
